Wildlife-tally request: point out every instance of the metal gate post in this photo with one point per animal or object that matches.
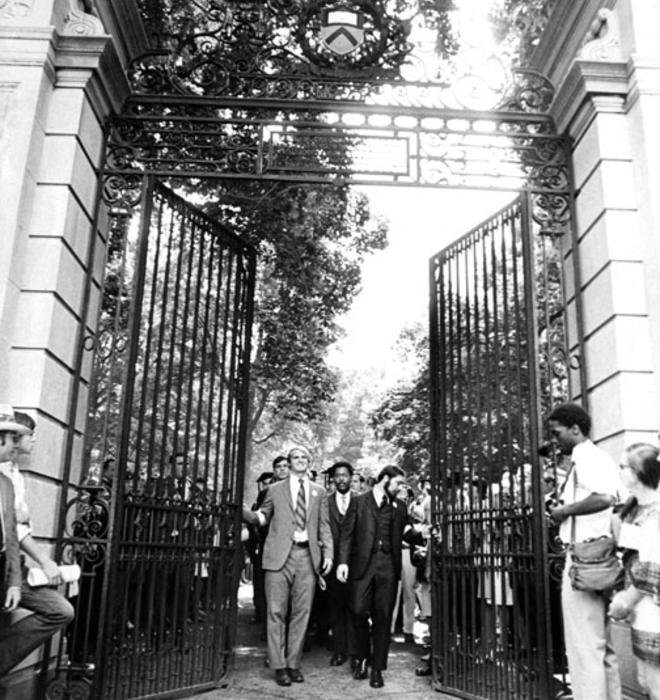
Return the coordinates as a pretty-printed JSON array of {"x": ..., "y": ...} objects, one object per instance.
[{"x": 117, "y": 497}]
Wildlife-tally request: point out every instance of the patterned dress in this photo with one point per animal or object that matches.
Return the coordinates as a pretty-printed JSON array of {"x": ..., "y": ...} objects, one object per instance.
[{"x": 643, "y": 571}]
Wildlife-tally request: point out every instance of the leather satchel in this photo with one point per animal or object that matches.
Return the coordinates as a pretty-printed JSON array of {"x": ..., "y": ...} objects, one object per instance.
[{"x": 595, "y": 564}]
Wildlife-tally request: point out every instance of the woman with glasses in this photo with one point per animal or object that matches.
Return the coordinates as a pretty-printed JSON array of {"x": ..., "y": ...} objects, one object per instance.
[{"x": 639, "y": 535}]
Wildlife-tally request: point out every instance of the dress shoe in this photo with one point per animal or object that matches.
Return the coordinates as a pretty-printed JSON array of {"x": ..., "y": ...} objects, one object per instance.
[
  {"x": 282, "y": 676},
  {"x": 295, "y": 675},
  {"x": 376, "y": 679},
  {"x": 423, "y": 670},
  {"x": 361, "y": 670},
  {"x": 338, "y": 659}
]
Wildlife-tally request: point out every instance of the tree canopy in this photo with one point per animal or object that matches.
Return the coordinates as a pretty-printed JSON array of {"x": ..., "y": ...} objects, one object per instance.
[
  {"x": 311, "y": 242},
  {"x": 403, "y": 417}
]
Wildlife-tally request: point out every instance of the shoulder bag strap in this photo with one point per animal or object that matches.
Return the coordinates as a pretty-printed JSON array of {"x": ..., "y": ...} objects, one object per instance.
[{"x": 574, "y": 491}]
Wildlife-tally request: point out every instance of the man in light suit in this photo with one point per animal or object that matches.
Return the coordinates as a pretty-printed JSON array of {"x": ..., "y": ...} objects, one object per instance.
[{"x": 297, "y": 549}]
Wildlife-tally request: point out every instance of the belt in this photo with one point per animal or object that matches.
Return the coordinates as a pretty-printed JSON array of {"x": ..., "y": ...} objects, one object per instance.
[{"x": 301, "y": 544}]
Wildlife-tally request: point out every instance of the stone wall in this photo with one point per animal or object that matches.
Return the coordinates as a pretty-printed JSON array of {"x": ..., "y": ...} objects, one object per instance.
[
  {"x": 595, "y": 67},
  {"x": 61, "y": 75}
]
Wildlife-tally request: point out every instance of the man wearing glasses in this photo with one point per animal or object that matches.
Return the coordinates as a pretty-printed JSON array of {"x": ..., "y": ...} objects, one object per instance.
[{"x": 51, "y": 610}]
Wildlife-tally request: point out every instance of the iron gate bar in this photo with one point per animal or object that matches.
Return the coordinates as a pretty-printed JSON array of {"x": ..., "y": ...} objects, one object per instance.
[
  {"x": 491, "y": 562},
  {"x": 544, "y": 168},
  {"x": 276, "y": 106},
  {"x": 540, "y": 543},
  {"x": 200, "y": 138},
  {"x": 189, "y": 316},
  {"x": 117, "y": 492}
]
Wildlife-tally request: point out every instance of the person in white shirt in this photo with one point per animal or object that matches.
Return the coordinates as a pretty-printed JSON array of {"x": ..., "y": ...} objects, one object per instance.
[
  {"x": 52, "y": 611},
  {"x": 590, "y": 491}
]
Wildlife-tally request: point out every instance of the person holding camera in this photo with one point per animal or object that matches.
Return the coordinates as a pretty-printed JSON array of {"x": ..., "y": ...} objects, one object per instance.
[{"x": 589, "y": 492}]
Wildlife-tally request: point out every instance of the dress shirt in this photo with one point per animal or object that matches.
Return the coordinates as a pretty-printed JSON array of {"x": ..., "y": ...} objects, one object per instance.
[
  {"x": 596, "y": 473},
  {"x": 2, "y": 527},
  {"x": 379, "y": 492},
  {"x": 294, "y": 485},
  {"x": 343, "y": 499},
  {"x": 13, "y": 473}
]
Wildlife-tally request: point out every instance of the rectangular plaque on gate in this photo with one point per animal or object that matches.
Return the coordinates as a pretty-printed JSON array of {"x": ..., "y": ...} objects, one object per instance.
[{"x": 336, "y": 151}]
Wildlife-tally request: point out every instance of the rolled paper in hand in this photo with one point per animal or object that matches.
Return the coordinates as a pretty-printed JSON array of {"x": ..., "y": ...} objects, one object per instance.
[{"x": 37, "y": 577}]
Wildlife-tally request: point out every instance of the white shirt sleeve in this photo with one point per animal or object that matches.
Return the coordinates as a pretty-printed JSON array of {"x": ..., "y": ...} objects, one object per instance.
[{"x": 596, "y": 473}]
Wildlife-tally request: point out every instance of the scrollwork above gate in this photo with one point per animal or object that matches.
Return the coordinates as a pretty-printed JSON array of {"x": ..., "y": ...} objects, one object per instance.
[
  {"x": 410, "y": 51},
  {"x": 377, "y": 145}
]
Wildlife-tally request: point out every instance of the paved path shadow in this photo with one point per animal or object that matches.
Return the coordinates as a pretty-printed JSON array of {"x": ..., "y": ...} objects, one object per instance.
[{"x": 250, "y": 680}]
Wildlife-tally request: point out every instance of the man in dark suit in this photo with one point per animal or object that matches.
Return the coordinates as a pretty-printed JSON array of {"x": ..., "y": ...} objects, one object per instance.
[
  {"x": 297, "y": 549},
  {"x": 341, "y": 619},
  {"x": 370, "y": 554},
  {"x": 255, "y": 551}
]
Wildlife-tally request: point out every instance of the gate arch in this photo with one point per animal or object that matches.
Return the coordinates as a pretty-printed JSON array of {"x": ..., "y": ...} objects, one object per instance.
[{"x": 229, "y": 98}]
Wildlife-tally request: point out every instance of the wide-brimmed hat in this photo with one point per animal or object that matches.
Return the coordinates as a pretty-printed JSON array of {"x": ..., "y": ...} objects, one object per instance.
[{"x": 8, "y": 421}]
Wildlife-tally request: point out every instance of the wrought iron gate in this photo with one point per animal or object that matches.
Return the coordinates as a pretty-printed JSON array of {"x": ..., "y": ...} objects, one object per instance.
[
  {"x": 498, "y": 361},
  {"x": 156, "y": 526}
]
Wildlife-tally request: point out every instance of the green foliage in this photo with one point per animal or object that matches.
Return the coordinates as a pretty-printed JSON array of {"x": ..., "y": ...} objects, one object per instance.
[
  {"x": 311, "y": 241},
  {"x": 403, "y": 417}
]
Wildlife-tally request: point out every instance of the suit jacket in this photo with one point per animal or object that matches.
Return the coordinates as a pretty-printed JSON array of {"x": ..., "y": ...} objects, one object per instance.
[
  {"x": 358, "y": 534},
  {"x": 11, "y": 576},
  {"x": 336, "y": 520},
  {"x": 279, "y": 512}
]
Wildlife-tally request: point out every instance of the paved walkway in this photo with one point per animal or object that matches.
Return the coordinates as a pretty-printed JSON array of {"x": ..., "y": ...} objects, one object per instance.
[{"x": 250, "y": 680}]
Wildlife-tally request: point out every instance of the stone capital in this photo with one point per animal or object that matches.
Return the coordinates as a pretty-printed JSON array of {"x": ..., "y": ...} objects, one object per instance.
[
  {"x": 90, "y": 62},
  {"x": 590, "y": 87}
]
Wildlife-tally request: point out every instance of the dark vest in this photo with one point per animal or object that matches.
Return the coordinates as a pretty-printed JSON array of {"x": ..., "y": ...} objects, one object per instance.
[{"x": 384, "y": 518}]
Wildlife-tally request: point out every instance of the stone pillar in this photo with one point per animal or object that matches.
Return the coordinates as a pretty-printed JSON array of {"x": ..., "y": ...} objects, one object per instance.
[
  {"x": 606, "y": 104},
  {"x": 61, "y": 75}
]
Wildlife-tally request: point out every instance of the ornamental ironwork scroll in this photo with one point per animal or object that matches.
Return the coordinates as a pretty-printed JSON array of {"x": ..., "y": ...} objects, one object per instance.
[
  {"x": 329, "y": 50},
  {"x": 417, "y": 147},
  {"x": 155, "y": 525},
  {"x": 498, "y": 363}
]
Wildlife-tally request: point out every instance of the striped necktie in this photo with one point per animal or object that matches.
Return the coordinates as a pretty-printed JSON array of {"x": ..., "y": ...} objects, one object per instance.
[{"x": 301, "y": 507}]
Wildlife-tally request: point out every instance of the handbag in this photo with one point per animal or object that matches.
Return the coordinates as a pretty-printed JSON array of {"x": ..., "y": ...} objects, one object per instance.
[{"x": 595, "y": 565}]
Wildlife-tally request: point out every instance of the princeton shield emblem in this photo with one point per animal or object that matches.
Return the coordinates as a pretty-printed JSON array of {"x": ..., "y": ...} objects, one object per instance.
[{"x": 342, "y": 30}]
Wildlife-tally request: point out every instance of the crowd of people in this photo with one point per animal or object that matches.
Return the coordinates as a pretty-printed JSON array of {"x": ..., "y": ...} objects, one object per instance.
[
  {"x": 352, "y": 556},
  {"x": 309, "y": 542}
]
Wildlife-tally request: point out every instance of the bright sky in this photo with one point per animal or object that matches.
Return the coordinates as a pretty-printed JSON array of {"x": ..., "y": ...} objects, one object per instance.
[{"x": 395, "y": 281}]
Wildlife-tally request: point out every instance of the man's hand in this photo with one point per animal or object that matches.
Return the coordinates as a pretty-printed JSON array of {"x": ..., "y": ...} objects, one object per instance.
[
  {"x": 52, "y": 571},
  {"x": 558, "y": 514},
  {"x": 13, "y": 598},
  {"x": 619, "y": 609},
  {"x": 342, "y": 573},
  {"x": 250, "y": 516},
  {"x": 327, "y": 565}
]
